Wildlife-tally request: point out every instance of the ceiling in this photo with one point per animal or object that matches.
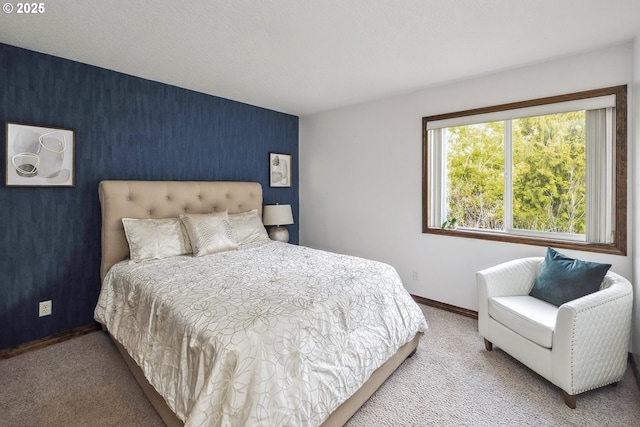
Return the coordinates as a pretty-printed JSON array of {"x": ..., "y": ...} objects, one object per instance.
[{"x": 307, "y": 56}]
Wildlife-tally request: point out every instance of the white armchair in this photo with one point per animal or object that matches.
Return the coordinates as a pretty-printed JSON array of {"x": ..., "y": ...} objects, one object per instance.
[{"x": 579, "y": 346}]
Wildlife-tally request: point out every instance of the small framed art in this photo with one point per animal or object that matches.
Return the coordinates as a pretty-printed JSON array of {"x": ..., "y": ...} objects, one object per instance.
[
  {"x": 279, "y": 170},
  {"x": 39, "y": 156}
]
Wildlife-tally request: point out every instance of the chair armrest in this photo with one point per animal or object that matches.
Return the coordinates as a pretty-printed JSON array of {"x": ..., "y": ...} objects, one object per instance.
[
  {"x": 591, "y": 338},
  {"x": 514, "y": 277}
]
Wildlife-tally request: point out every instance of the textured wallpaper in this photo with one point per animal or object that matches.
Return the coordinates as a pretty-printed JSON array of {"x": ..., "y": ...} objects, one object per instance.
[{"x": 125, "y": 128}]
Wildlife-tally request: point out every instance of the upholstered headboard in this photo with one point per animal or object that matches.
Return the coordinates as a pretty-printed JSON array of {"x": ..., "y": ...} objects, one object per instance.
[{"x": 165, "y": 199}]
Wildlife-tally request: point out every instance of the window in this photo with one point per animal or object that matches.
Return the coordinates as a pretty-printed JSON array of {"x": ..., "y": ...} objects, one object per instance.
[{"x": 550, "y": 171}]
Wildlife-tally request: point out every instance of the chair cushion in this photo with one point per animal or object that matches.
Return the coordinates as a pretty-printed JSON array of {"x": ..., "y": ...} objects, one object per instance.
[
  {"x": 527, "y": 316},
  {"x": 563, "y": 279}
]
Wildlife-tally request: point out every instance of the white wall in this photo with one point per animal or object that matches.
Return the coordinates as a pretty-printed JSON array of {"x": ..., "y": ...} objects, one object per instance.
[
  {"x": 634, "y": 202},
  {"x": 361, "y": 174}
]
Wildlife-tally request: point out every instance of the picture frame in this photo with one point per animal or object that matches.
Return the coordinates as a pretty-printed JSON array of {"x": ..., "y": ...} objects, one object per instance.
[
  {"x": 279, "y": 170},
  {"x": 39, "y": 156}
]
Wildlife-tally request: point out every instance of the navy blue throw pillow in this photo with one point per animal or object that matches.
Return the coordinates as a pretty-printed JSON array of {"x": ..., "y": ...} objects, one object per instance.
[{"x": 563, "y": 279}]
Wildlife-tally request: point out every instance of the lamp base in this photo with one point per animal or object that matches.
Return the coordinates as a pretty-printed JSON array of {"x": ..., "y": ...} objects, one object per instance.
[{"x": 279, "y": 233}]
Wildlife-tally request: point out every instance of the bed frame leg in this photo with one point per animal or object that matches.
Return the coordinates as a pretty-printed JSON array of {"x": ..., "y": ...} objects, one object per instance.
[{"x": 488, "y": 345}]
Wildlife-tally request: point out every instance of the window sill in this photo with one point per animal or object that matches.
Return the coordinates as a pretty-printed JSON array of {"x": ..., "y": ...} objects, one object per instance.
[{"x": 613, "y": 249}]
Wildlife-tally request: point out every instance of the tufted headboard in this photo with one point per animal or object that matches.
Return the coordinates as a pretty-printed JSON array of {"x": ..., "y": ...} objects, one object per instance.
[{"x": 165, "y": 199}]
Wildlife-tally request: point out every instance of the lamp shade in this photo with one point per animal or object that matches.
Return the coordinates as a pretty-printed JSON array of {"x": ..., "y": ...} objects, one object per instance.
[{"x": 277, "y": 215}]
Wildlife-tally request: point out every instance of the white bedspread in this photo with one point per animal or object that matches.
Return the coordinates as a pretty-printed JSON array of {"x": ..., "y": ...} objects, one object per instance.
[{"x": 269, "y": 335}]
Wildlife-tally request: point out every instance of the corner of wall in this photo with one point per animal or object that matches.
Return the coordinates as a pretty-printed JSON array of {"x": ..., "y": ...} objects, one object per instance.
[{"x": 634, "y": 155}]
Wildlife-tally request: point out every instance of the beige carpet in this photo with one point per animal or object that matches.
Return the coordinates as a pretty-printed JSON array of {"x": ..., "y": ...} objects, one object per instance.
[{"x": 451, "y": 381}]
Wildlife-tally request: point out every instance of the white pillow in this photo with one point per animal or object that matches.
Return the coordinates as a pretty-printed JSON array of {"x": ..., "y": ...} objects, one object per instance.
[
  {"x": 209, "y": 233},
  {"x": 247, "y": 227},
  {"x": 155, "y": 238}
]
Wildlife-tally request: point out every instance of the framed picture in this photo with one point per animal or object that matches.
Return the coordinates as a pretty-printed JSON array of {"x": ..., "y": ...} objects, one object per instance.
[
  {"x": 279, "y": 170},
  {"x": 39, "y": 156}
]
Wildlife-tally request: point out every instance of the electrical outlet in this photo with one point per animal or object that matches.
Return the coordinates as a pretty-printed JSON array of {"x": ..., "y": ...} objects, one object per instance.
[
  {"x": 45, "y": 308},
  {"x": 415, "y": 275}
]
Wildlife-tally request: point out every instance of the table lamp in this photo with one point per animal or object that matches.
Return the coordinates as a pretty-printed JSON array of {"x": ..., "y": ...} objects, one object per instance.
[{"x": 278, "y": 215}]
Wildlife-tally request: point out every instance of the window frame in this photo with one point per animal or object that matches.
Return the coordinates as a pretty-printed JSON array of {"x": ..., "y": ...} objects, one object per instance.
[{"x": 619, "y": 244}]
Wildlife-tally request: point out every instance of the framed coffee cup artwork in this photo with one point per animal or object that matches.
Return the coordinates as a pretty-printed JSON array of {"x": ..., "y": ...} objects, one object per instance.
[{"x": 39, "y": 156}]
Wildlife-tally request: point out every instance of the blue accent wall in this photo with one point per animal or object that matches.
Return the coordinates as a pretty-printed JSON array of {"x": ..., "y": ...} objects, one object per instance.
[{"x": 125, "y": 128}]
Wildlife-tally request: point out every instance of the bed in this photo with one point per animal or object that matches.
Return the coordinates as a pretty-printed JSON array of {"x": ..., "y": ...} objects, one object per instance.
[{"x": 263, "y": 333}]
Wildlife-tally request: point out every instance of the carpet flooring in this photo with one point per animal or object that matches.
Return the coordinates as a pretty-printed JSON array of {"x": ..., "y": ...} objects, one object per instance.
[{"x": 451, "y": 381}]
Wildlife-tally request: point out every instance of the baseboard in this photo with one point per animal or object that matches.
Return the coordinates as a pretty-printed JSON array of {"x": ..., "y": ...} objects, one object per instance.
[
  {"x": 47, "y": 341},
  {"x": 447, "y": 307},
  {"x": 82, "y": 330},
  {"x": 53, "y": 339}
]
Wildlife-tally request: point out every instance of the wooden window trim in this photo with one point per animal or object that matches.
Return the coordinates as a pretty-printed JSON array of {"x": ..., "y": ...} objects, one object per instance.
[{"x": 618, "y": 247}]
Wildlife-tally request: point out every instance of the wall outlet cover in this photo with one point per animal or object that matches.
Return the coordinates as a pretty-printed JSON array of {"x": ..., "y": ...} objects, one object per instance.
[{"x": 45, "y": 308}]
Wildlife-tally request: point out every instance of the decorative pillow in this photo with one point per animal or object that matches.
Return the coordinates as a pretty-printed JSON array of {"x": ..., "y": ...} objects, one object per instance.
[
  {"x": 209, "y": 233},
  {"x": 155, "y": 238},
  {"x": 563, "y": 279},
  {"x": 247, "y": 227}
]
